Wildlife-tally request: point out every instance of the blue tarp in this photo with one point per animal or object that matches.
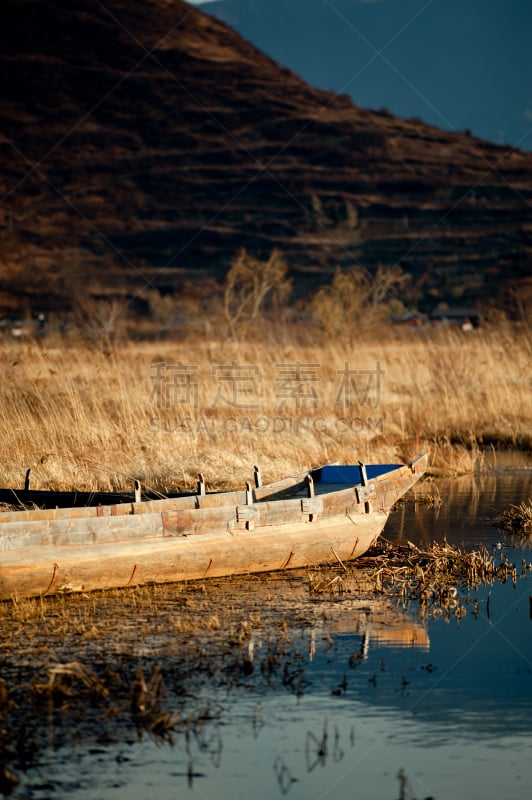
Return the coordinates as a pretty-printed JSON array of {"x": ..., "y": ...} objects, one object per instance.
[{"x": 351, "y": 473}]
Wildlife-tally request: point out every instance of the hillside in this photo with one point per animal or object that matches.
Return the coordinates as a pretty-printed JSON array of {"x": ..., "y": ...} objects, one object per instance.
[{"x": 143, "y": 144}]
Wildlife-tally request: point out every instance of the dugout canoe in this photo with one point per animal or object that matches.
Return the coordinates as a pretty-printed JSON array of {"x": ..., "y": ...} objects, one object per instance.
[{"x": 330, "y": 514}]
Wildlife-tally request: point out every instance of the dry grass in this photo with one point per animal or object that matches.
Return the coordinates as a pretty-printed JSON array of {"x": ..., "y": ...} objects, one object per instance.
[
  {"x": 435, "y": 576},
  {"x": 517, "y": 518},
  {"x": 84, "y": 417}
]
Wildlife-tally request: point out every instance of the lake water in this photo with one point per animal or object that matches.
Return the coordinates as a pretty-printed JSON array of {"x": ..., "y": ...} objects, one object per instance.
[{"x": 407, "y": 708}]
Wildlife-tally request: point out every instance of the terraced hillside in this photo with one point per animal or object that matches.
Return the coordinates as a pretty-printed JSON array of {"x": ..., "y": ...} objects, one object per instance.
[{"x": 142, "y": 144}]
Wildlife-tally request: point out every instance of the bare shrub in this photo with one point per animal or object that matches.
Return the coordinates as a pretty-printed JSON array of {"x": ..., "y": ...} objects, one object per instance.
[
  {"x": 250, "y": 285},
  {"x": 355, "y": 300},
  {"x": 102, "y": 321}
]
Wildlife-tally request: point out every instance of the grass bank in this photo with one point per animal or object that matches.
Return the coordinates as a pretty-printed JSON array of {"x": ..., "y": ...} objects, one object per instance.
[{"x": 87, "y": 417}]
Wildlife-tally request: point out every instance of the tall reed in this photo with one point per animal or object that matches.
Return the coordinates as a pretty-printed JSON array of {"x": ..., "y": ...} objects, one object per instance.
[{"x": 85, "y": 417}]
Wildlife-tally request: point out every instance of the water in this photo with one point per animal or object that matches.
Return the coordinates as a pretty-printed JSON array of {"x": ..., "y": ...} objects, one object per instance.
[{"x": 395, "y": 708}]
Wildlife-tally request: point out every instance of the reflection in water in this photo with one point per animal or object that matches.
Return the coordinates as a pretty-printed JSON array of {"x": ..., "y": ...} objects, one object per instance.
[
  {"x": 316, "y": 748},
  {"x": 374, "y": 621},
  {"x": 405, "y": 787},
  {"x": 283, "y": 775},
  {"x": 467, "y": 513},
  {"x": 360, "y": 700}
]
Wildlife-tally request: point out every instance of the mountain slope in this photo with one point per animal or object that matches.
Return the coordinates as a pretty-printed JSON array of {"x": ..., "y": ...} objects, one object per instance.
[
  {"x": 454, "y": 64},
  {"x": 142, "y": 147}
]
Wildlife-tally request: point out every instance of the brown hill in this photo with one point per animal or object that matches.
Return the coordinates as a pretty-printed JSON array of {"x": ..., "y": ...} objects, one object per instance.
[{"x": 144, "y": 143}]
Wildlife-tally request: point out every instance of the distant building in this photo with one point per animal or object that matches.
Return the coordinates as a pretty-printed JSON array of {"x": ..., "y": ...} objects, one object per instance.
[
  {"x": 465, "y": 318},
  {"x": 20, "y": 328},
  {"x": 414, "y": 319}
]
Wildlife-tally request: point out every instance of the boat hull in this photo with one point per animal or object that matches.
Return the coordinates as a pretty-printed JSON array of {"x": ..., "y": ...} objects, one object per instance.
[
  {"x": 326, "y": 516},
  {"x": 75, "y": 568}
]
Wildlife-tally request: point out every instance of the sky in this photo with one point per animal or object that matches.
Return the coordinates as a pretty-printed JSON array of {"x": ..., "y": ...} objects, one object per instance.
[{"x": 457, "y": 64}]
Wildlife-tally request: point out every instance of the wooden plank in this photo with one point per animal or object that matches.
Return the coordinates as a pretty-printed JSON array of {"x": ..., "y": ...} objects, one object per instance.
[
  {"x": 312, "y": 505},
  {"x": 164, "y": 559},
  {"x": 247, "y": 513},
  {"x": 365, "y": 494}
]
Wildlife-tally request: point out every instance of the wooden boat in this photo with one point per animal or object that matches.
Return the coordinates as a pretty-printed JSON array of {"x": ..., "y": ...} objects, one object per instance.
[
  {"x": 376, "y": 620},
  {"x": 330, "y": 514}
]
